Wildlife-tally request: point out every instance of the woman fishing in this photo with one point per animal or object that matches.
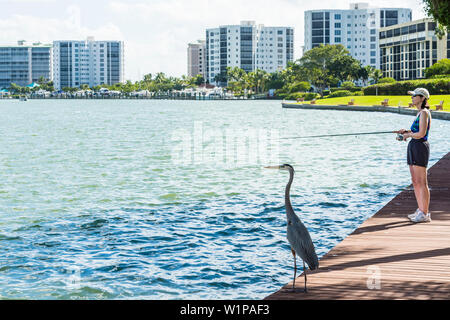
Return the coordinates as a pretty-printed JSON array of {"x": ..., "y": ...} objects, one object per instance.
[{"x": 419, "y": 154}]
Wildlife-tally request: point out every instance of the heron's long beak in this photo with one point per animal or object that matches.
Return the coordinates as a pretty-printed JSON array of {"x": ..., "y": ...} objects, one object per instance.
[{"x": 272, "y": 167}]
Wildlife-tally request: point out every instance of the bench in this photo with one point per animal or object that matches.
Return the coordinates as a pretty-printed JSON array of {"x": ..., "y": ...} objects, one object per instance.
[
  {"x": 351, "y": 102},
  {"x": 300, "y": 99},
  {"x": 440, "y": 106},
  {"x": 385, "y": 102},
  {"x": 313, "y": 101}
]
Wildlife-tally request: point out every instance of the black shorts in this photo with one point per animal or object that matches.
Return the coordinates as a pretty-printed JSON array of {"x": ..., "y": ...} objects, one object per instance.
[{"x": 418, "y": 152}]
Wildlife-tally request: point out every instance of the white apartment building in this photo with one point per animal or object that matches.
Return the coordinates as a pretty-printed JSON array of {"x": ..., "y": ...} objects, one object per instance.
[
  {"x": 407, "y": 49},
  {"x": 25, "y": 63},
  {"x": 249, "y": 47},
  {"x": 87, "y": 62},
  {"x": 357, "y": 29},
  {"x": 196, "y": 53}
]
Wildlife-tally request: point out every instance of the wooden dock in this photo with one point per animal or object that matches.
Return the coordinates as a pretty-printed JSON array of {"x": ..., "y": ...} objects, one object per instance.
[{"x": 389, "y": 257}]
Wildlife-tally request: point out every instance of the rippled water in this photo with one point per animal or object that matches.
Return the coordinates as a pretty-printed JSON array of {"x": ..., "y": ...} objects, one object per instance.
[{"x": 93, "y": 204}]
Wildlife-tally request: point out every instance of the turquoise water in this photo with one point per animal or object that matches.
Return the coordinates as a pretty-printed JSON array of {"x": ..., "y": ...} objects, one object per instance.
[{"x": 96, "y": 204}]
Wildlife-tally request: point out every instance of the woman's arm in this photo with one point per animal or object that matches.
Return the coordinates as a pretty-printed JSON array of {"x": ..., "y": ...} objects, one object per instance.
[{"x": 423, "y": 126}]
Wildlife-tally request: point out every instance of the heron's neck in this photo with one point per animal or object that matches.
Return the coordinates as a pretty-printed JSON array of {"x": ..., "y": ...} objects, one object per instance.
[{"x": 287, "y": 197}]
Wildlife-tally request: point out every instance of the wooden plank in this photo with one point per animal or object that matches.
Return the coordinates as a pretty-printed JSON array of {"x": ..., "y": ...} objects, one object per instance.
[{"x": 412, "y": 260}]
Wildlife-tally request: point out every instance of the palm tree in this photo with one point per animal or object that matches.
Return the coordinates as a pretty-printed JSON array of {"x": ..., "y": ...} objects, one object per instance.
[
  {"x": 376, "y": 75},
  {"x": 257, "y": 79},
  {"x": 148, "y": 77},
  {"x": 160, "y": 77}
]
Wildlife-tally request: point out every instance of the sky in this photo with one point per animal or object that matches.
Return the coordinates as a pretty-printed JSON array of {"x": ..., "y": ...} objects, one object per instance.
[{"x": 156, "y": 32}]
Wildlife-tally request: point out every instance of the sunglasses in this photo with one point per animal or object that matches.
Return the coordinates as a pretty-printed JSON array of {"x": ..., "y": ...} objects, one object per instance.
[{"x": 417, "y": 95}]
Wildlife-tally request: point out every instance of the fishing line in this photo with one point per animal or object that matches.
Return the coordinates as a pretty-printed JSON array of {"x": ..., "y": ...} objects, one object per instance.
[{"x": 342, "y": 134}]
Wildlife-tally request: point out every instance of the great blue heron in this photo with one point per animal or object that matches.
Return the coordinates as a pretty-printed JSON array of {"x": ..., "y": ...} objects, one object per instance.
[{"x": 297, "y": 234}]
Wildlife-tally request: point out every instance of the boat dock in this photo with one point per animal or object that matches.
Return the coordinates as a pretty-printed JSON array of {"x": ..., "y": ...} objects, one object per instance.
[{"x": 389, "y": 257}]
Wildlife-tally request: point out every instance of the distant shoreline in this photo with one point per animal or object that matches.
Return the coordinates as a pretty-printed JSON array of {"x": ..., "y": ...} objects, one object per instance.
[{"x": 141, "y": 98}]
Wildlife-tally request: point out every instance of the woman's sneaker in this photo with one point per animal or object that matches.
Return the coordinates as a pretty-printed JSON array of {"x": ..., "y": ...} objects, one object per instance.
[
  {"x": 413, "y": 215},
  {"x": 421, "y": 217}
]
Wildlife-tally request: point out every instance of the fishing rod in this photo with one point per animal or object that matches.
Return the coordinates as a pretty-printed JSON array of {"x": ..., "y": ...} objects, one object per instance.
[{"x": 347, "y": 134}]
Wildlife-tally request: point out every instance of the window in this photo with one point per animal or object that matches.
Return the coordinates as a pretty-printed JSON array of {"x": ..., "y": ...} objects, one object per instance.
[
  {"x": 317, "y": 15},
  {"x": 373, "y": 61},
  {"x": 373, "y": 39},
  {"x": 280, "y": 31},
  {"x": 421, "y": 27},
  {"x": 337, "y": 32},
  {"x": 413, "y": 28},
  {"x": 337, "y": 25},
  {"x": 373, "y": 31},
  {"x": 317, "y": 25},
  {"x": 337, "y": 39},
  {"x": 337, "y": 17},
  {"x": 373, "y": 53}
]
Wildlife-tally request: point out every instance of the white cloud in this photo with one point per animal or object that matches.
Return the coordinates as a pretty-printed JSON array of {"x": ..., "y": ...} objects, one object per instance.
[{"x": 68, "y": 26}]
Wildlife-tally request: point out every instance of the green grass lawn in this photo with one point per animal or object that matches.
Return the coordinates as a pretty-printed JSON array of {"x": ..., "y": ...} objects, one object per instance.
[{"x": 393, "y": 101}]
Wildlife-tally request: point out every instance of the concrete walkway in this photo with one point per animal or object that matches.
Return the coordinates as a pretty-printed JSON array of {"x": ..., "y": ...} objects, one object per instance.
[
  {"x": 388, "y": 257},
  {"x": 442, "y": 115}
]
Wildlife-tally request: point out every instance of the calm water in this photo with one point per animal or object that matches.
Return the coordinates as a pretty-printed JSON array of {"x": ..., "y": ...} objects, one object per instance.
[{"x": 95, "y": 204}]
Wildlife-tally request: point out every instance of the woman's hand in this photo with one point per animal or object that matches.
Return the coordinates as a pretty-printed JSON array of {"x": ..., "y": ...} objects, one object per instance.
[
  {"x": 401, "y": 131},
  {"x": 407, "y": 135}
]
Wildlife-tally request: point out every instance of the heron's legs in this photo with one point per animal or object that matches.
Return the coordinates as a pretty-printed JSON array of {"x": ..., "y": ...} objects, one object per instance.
[
  {"x": 304, "y": 272},
  {"x": 295, "y": 268}
]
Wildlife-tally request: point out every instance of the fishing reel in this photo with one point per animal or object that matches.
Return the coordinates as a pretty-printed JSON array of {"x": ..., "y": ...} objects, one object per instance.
[{"x": 400, "y": 137}]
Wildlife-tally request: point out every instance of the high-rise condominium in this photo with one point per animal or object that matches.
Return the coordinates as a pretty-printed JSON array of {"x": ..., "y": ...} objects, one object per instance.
[
  {"x": 407, "y": 49},
  {"x": 249, "y": 47},
  {"x": 87, "y": 62},
  {"x": 356, "y": 29},
  {"x": 23, "y": 64},
  {"x": 196, "y": 59}
]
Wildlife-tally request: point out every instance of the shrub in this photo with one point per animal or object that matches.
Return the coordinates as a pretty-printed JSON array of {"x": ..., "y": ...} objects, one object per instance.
[
  {"x": 346, "y": 85},
  {"x": 310, "y": 96},
  {"x": 340, "y": 93},
  {"x": 326, "y": 92},
  {"x": 441, "y": 76},
  {"x": 386, "y": 80},
  {"x": 442, "y": 67},
  {"x": 299, "y": 86},
  {"x": 400, "y": 88},
  {"x": 281, "y": 95},
  {"x": 359, "y": 93},
  {"x": 353, "y": 89},
  {"x": 295, "y": 95}
]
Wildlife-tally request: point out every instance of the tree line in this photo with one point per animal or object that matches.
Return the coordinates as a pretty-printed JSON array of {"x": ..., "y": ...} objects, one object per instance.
[{"x": 322, "y": 67}]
